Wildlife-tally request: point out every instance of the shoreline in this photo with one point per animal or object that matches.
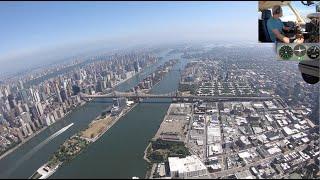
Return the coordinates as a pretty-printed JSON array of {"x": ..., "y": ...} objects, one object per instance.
[
  {"x": 145, "y": 153},
  {"x": 22, "y": 143},
  {"x": 150, "y": 165},
  {"x": 92, "y": 140},
  {"x": 123, "y": 113},
  {"x": 150, "y": 169},
  {"x": 137, "y": 73},
  {"x": 8, "y": 152}
]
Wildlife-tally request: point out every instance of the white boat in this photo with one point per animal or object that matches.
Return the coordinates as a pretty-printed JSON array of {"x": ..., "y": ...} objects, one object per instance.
[{"x": 44, "y": 172}]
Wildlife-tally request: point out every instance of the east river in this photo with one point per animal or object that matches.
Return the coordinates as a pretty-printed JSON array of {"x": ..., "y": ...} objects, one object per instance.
[{"x": 117, "y": 154}]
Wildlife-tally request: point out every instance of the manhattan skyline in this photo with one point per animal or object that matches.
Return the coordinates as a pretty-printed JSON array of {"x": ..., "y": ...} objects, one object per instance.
[{"x": 33, "y": 32}]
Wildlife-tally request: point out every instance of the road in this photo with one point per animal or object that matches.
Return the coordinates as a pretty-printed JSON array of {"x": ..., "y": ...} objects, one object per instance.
[{"x": 265, "y": 160}]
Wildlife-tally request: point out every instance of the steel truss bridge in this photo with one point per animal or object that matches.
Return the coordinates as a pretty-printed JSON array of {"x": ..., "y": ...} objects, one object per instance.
[{"x": 174, "y": 95}]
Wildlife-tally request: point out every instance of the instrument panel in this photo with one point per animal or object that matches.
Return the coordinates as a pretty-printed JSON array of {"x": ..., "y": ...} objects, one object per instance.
[{"x": 297, "y": 52}]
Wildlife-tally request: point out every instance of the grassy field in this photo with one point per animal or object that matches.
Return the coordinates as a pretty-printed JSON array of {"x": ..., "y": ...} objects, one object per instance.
[{"x": 96, "y": 127}]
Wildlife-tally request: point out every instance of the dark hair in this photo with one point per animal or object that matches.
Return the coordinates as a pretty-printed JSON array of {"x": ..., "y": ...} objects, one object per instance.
[{"x": 276, "y": 10}]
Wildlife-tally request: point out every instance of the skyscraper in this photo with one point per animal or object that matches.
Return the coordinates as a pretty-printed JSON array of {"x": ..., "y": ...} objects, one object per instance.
[
  {"x": 24, "y": 96},
  {"x": 36, "y": 96},
  {"x": 11, "y": 100},
  {"x": 21, "y": 85},
  {"x": 2, "y": 120},
  {"x": 25, "y": 116},
  {"x": 136, "y": 66},
  {"x": 58, "y": 93},
  {"x": 39, "y": 108},
  {"x": 63, "y": 95}
]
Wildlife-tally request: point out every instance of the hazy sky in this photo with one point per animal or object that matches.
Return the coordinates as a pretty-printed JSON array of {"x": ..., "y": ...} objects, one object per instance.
[{"x": 31, "y": 30}]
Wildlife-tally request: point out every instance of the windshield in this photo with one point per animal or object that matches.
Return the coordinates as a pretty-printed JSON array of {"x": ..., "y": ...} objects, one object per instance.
[{"x": 288, "y": 14}]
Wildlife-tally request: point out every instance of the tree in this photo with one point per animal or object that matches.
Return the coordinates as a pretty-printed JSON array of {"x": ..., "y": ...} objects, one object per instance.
[{"x": 156, "y": 156}]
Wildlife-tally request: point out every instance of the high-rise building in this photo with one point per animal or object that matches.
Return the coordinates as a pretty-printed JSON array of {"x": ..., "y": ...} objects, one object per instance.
[
  {"x": 25, "y": 107},
  {"x": 63, "y": 95},
  {"x": 43, "y": 96},
  {"x": 47, "y": 121},
  {"x": 60, "y": 113},
  {"x": 21, "y": 85},
  {"x": 23, "y": 129},
  {"x": 39, "y": 108},
  {"x": 25, "y": 116},
  {"x": 58, "y": 95},
  {"x": 18, "y": 109},
  {"x": 83, "y": 74},
  {"x": 55, "y": 115},
  {"x": 12, "y": 101},
  {"x": 29, "y": 128},
  {"x": 2, "y": 120},
  {"x": 100, "y": 86},
  {"x": 36, "y": 96},
  {"x": 37, "y": 122},
  {"x": 47, "y": 89},
  {"x": 18, "y": 133},
  {"x": 75, "y": 89},
  {"x": 6, "y": 91},
  {"x": 136, "y": 66},
  {"x": 24, "y": 96},
  {"x": 25, "y": 126},
  {"x": 34, "y": 111}
]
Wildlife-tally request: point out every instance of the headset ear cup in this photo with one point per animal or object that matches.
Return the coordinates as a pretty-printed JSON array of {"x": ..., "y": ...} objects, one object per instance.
[{"x": 277, "y": 10}]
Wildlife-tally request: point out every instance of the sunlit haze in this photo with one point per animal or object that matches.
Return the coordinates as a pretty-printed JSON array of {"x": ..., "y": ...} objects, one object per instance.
[{"x": 32, "y": 31}]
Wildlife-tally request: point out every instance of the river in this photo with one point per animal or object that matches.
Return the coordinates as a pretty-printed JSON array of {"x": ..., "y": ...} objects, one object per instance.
[{"x": 118, "y": 153}]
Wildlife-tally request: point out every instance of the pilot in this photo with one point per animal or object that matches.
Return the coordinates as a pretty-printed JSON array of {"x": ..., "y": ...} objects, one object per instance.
[{"x": 275, "y": 27}]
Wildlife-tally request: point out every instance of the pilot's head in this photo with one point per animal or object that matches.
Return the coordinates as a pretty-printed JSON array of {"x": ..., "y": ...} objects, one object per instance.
[{"x": 277, "y": 11}]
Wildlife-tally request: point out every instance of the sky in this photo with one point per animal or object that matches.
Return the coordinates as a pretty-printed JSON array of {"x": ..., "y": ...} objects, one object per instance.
[{"x": 37, "y": 32}]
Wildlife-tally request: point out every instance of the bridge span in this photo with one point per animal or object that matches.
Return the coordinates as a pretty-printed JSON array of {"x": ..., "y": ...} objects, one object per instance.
[{"x": 175, "y": 95}]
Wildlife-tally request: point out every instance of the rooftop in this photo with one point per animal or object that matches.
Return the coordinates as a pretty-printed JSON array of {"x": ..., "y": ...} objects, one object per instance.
[{"x": 187, "y": 164}]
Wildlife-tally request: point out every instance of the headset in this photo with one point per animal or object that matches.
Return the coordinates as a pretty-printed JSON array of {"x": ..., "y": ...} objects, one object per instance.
[{"x": 277, "y": 10}]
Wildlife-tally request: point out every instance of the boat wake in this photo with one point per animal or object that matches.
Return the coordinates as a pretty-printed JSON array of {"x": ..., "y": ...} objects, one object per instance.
[{"x": 38, "y": 147}]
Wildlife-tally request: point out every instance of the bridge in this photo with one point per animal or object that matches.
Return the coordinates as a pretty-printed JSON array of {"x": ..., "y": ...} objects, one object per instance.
[{"x": 174, "y": 95}]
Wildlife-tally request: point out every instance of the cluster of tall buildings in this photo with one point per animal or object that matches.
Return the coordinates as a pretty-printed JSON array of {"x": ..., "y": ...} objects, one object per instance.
[
  {"x": 155, "y": 77},
  {"x": 28, "y": 106}
]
